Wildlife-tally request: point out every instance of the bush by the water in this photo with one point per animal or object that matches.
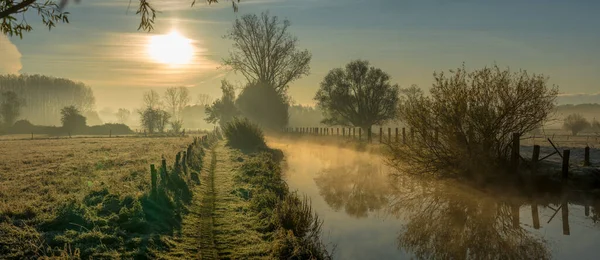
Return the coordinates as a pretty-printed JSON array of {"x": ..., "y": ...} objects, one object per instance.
[
  {"x": 465, "y": 126},
  {"x": 243, "y": 134}
]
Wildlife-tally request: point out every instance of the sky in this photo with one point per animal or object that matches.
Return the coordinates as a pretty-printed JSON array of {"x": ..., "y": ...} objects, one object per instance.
[{"x": 409, "y": 39}]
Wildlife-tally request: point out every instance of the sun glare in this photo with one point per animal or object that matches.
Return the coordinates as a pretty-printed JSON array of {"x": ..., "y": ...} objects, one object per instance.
[{"x": 172, "y": 49}]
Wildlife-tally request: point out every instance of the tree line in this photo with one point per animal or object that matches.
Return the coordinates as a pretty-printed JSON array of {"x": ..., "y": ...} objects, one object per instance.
[{"x": 43, "y": 97}]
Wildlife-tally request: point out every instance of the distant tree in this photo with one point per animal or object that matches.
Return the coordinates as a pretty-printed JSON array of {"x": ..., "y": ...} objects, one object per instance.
[
  {"x": 595, "y": 126},
  {"x": 47, "y": 96},
  {"x": 262, "y": 104},
  {"x": 51, "y": 12},
  {"x": 358, "y": 95},
  {"x": 223, "y": 110},
  {"x": 10, "y": 107},
  {"x": 123, "y": 115},
  {"x": 163, "y": 120},
  {"x": 154, "y": 120},
  {"x": 203, "y": 100},
  {"x": 72, "y": 120},
  {"x": 152, "y": 100},
  {"x": 265, "y": 52},
  {"x": 576, "y": 123},
  {"x": 176, "y": 99},
  {"x": 176, "y": 125}
]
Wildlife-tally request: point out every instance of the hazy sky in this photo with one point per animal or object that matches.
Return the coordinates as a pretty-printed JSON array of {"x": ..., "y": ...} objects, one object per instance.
[{"x": 410, "y": 39}]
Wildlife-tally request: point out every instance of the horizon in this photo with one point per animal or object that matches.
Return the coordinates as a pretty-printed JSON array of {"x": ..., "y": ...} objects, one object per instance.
[{"x": 409, "y": 40}]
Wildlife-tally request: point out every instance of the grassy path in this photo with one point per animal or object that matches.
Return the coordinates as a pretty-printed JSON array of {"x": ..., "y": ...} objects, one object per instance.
[
  {"x": 235, "y": 227},
  {"x": 207, "y": 241}
]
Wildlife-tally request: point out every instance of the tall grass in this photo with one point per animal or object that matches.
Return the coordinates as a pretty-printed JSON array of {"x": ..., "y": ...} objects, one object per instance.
[
  {"x": 243, "y": 134},
  {"x": 287, "y": 217}
]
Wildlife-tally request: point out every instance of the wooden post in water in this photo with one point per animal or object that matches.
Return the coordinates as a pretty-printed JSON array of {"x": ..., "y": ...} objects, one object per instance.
[
  {"x": 565, "y": 217},
  {"x": 586, "y": 160},
  {"x": 535, "y": 215},
  {"x": 565, "y": 164},
  {"x": 587, "y": 209},
  {"x": 403, "y": 135},
  {"x": 516, "y": 146}
]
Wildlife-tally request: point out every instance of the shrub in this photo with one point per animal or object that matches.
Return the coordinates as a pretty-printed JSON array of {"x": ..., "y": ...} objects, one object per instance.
[
  {"x": 473, "y": 116},
  {"x": 243, "y": 134},
  {"x": 262, "y": 104},
  {"x": 576, "y": 123},
  {"x": 72, "y": 120}
]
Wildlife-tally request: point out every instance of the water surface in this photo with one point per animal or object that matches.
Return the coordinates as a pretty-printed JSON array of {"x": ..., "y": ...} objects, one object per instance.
[{"x": 372, "y": 212}]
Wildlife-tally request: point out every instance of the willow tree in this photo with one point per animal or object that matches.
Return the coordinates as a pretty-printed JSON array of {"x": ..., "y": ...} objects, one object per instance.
[
  {"x": 358, "y": 95},
  {"x": 52, "y": 12},
  {"x": 264, "y": 51}
]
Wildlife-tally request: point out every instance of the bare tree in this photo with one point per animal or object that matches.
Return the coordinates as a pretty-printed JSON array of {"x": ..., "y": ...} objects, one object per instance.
[
  {"x": 358, "y": 95},
  {"x": 123, "y": 115},
  {"x": 265, "y": 52},
  {"x": 203, "y": 100},
  {"x": 152, "y": 100},
  {"x": 465, "y": 125},
  {"x": 576, "y": 123},
  {"x": 176, "y": 99}
]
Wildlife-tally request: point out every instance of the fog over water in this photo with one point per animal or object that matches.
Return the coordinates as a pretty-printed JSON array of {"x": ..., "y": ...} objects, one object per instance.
[{"x": 369, "y": 215}]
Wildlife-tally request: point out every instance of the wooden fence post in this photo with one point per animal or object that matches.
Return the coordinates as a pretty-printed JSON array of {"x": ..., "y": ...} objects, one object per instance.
[
  {"x": 380, "y": 134},
  {"x": 359, "y": 134},
  {"x": 389, "y": 135},
  {"x": 534, "y": 159},
  {"x": 337, "y": 130},
  {"x": 353, "y": 132},
  {"x": 153, "y": 179},
  {"x": 369, "y": 134},
  {"x": 403, "y": 135},
  {"x": 565, "y": 164},
  {"x": 586, "y": 161},
  {"x": 396, "y": 134},
  {"x": 184, "y": 162},
  {"x": 516, "y": 146},
  {"x": 163, "y": 171}
]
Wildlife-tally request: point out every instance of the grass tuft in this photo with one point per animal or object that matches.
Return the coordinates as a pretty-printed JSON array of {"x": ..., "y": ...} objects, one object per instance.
[{"x": 244, "y": 135}]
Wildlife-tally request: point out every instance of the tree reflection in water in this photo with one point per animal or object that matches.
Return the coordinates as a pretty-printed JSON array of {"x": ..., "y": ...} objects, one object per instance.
[
  {"x": 358, "y": 188},
  {"x": 446, "y": 220}
]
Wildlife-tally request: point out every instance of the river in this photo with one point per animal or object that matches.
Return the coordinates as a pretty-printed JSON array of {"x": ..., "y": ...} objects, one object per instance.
[{"x": 372, "y": 212}]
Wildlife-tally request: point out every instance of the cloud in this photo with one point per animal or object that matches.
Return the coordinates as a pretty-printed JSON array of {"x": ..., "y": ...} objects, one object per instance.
[{"x": 11, "y": 57}]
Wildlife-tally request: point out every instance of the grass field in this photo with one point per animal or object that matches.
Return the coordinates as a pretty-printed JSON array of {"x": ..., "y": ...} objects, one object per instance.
[{"x": 39, "y": 178}]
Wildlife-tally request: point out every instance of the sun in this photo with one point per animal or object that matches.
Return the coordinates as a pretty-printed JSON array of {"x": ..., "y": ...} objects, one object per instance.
[{"x": 172, "y": 49}]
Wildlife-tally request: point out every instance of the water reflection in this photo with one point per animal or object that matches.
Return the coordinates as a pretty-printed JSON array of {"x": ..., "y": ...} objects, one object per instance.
[
  {"x": 358, "y": 188},
  {"x": 446, "y": 222},
  {"x": 370, "y": 216}
]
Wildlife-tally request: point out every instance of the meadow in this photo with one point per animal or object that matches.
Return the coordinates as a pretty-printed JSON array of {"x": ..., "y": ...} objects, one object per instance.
[{"x": 45, "y": 184}]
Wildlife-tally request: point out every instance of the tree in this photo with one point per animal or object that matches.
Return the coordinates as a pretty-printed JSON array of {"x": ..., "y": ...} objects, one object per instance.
[
  {"x": 154, "y": 120},
  {"x": 152, "y": 100},
  {"x": 223, "y": 110},
  {"x": 14, "y": 22},
  {"x": 262, "y": 104},
  {"x": 464, "y": 128},
  {"x": 595, "y": 126},
  {"x": 47, "y": 96},
  {"x": 358, "y": 95},
  {"x": 265, "y": 52},
  {"x": 123, "y": 115},
  {"x": 576, "y": 123},
  {"x": 176, "y": 99},
  {"x": 203, "y": 100},
  {"x": 72, "y": 120},
  {"x": 10, "y": 107}
]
